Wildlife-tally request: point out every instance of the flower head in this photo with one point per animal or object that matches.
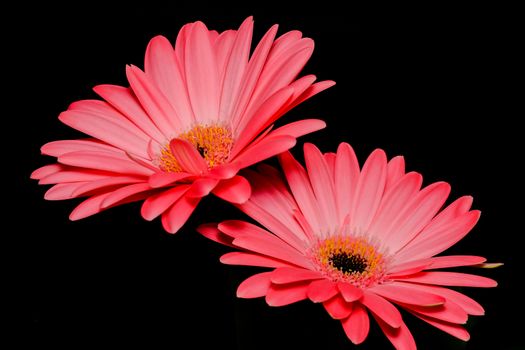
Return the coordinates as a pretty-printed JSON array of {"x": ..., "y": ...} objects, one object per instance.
[
  {"x": 357, "y": 240},
  {"x": 201, "y": 111}
]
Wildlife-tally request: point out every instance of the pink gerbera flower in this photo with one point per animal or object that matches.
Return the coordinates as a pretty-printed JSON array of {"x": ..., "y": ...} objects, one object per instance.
[
  {"x": 359, "y": 241},
  {"x": 198, "y": 114}
]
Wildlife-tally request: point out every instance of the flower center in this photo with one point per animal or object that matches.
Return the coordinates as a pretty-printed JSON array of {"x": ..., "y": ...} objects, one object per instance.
[
  {"x": 349, "y": 259},
  {"x": 213, "y": 143}
]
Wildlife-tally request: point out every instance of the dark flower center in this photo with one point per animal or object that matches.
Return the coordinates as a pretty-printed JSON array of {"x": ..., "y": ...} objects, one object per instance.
[{"x": 348, "y": 263}]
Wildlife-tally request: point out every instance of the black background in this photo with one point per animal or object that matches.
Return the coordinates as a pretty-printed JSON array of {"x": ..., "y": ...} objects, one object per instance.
[{"x": 434, "y": 84}]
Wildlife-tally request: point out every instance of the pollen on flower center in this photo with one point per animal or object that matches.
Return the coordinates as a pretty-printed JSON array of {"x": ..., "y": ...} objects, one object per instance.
[
  {"x": 213, "y": 143},
  {"x": 349, "y": 259}
]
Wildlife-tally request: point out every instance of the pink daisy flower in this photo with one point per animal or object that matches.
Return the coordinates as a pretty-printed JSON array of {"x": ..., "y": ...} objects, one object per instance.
[
  {"x": 199, "y": 113},
  {"x": 357, "y": 240}
]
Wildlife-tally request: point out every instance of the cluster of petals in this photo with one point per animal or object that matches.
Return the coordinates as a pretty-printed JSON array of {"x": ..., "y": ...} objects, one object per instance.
[
  {"x": 362, "y": 241},
  {"x": 200, "y": 111},
  {"x": 375, "y": 219}
]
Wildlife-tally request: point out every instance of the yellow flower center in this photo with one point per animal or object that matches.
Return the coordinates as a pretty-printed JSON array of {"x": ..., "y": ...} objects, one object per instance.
[
  {"x": 349, "y": 259},
  {"x": 213, "y": 142}
]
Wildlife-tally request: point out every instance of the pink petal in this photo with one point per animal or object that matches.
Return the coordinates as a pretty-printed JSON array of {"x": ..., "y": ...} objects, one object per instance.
[
  {"x": 62, "y": 191},
  {"x": 159, "y": 203},
  {"x": 202, "y": 187},
  {"x": 106, "y": 182},
  {"x": 235, "y": 68},
  {"x": 440, "y": 262},
  {"x": 123, "y": 100},
  {"x": 108, "y": 125},
  {"x": 252, "y": 73},
  {"x": 381, "y": 308},
  {"x": 277, "y": 227},
  {"x": 337, "y": 307},
  {"x": 310, "y": 92},
  {"x": 76, "y": 175},
  {"x": 178, "y": 214},
  {"x": 394, "y": 203},
  {"x": 238, "y": 228},
  {"x": 154, "y": 102},
  {"x": 285, "y": 294},
  {"x": 422, "y": 209},
  {"x": 162, "y": 68},
  {"x": 162, "y": 179},
  {"x": 188, "y": 157},
  {"x": 283, "y": 73},
  {"x": 400, "y": 337},
  {"x": 88, "y": 207},
  {"x": 450, "y": 279},
  {"x": 263, "y": 245},
  {"x": 202, "y": 77},
  {"x": 349, "y": 292},
  {"x": 301, "y": 189},
  {"x": 322, "y": 290},
  {"x": 448, "y": 312},
  {"x": 123, "y": 194},
  {"x": 466, "y": 303},
  {"x": 346, "y": 177},
  {"x": 103, "y": 161},
  {"x": 284, "y": 275},
  {"x": 322, "y": 184},
  {"x": 222, "y": 47},
  {"x": 268, "y": 147},
  {"x": 235, "y": 190},
  {"x": 357, "y": 325},
  {"x": 404, "y": 294},
  {"x": 450, "y": 328},
  {"x": 270, "y": 197},
  {"x": 255, "y": 286},
  {"x": 262, "y": 118},
  {"x": 285, "y": 61},
  {"x": 435, "y": 239},
  {"x": 211, "y": 231},
  {"x": 300, "y": 128},
  {"x": 408, "y": 268},
  {"x": 248, "y": 259},
  {"x": 370, "y": 188},
  {"x": 46, "y": 171},
  {"x": 58, "y": 148},
  {"x": 395, "y": 170}
]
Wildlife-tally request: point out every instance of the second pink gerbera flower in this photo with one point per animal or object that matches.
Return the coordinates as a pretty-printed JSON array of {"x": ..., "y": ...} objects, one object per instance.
[
  {"x": 198, "y": 114},
  {"x": 356, "y": 240}
]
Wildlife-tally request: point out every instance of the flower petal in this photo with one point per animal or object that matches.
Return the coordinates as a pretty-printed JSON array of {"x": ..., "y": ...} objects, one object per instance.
[
  {"x": 162, "y": 68},
  {"x": 285, "y": 294},
  {"x": 404, "y": 294},
  {"x": 346, "y": 177},
  {"x": 450, "y": 279},
  {"x": 255, "y": 286},
  {"x": 202, "y": 77},
  {"x": 159, "y": 203},
  {"x": 284, "y": 275},
  {"x": 382, "y": 308},
  {"x": 370, "y": 188},
  {"x": 248, "y": 259},
  {"x": 400, "y": 337},
  {"x": 349, "y": 292},
  {"x": 451, "y": 328},
  {"x": 178, "y": 214},
  {"x": 321, "y": 290},
  {"x": 357, "y": 324},
  {"x": 337, "y": 307},
  {"x": 187, "y": 156},
  {"x": 234, "y": 190}
]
